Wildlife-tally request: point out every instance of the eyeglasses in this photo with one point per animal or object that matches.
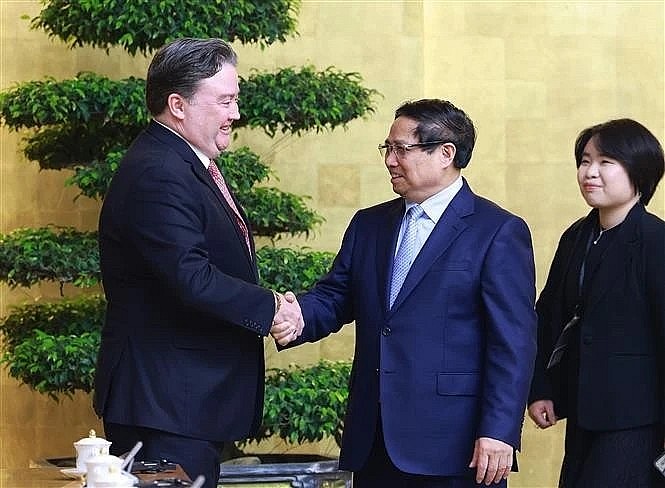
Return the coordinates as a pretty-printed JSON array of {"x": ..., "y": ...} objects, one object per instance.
[{"x": 401, "y": 150}]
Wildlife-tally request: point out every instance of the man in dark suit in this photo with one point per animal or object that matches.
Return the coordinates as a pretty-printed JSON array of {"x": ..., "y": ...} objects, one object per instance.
[
  {"x": 181, "y": 364},
  {"x": 444, "y": 350}
]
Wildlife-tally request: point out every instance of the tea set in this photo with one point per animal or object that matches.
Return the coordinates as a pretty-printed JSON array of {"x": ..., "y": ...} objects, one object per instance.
[{"x": 100, "y": 469}]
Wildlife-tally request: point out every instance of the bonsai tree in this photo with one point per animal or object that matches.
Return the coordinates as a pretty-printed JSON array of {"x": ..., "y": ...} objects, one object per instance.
[
  {"x": 305, "y": 404},
  {"x": 85, "y": 124}
]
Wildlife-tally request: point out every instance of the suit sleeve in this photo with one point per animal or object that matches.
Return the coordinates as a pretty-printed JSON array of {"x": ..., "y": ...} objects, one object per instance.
[
  {"x": 329, "y": 304},
  {"x": 165, "y": 221},
  {"x": 547, "y": 305},
  {"x": 654, "y": 264},
  {"x": 541, "y": 387},
  {"x": 508, "y": 294}
]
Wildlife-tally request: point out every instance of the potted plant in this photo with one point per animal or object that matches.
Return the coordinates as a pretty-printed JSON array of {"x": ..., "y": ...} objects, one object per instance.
[
  {"x": 52, "y": 346},
  {"x": 84, "y": 124},
  {"x": 302, "y": 404}
]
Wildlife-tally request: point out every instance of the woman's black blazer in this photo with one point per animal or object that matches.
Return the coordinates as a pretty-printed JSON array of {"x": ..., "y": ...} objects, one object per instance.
[{"x": 622, "y": 330}]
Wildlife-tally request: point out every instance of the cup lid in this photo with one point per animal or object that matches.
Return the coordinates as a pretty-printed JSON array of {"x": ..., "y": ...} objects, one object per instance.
[{"x": 92, "y": 440}]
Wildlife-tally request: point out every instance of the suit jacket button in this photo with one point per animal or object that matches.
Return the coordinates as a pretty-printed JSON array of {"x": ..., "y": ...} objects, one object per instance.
[
  {"x": 386, "y": 331},
  {"x": 587, "y": 340}
]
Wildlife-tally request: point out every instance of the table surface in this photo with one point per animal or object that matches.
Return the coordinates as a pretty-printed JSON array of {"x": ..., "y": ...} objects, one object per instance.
[
  {"x": 51, "y": 477},
  {"x": 35, "y": 478}
]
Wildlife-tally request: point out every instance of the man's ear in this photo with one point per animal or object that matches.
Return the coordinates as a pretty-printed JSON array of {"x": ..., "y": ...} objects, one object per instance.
[
  {"x": 448, "y": 151},
  {"x": 176, "y": 105}
]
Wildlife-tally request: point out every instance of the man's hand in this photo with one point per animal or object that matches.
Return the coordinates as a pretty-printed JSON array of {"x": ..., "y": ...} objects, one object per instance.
[
  {"x": 288, "y": 322},
  {"x": 284, "y": 332},
  {"x": 492, "y": 459},
  {"x": 542, "y": 413}
]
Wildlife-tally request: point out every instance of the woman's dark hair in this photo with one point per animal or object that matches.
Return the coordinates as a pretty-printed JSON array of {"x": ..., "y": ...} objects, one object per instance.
[
  {"x": 180, "y": 65},
  {"x": 633, "y": 146},
  {"x": 441, "y": 120}
]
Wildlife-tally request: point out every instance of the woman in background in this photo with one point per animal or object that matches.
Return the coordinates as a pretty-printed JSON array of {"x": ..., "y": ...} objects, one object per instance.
[{"x": 601, "y": 339}]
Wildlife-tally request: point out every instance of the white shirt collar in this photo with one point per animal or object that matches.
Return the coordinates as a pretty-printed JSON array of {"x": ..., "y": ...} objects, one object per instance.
[
  {"x": 435, "y": 205},
  {"x": 204, "y": 159}
]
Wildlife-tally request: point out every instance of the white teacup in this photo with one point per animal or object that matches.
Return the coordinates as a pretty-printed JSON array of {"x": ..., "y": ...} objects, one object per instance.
[
  {"x": 120, "y": 480},
  {"x": 104, "y": 471},
  {"x": 89, "y": 447}
]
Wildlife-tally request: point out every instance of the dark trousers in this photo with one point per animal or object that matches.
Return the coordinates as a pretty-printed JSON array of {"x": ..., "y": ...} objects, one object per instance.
[
  {"x": 195, "y": 456},
  {"x": 380, "y": 472},
  {"x": 617, "y": 459}
]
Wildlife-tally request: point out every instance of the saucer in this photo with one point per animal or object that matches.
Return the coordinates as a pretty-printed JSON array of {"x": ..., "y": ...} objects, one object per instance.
[{"x": 73, "y": 473}]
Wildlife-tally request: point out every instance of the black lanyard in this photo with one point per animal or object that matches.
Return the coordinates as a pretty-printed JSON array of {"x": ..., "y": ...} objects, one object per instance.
[{"x": 594, "y": 254}]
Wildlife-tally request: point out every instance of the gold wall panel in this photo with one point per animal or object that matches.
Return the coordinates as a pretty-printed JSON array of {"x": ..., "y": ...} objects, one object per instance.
[{"x": 530, "y": 74}]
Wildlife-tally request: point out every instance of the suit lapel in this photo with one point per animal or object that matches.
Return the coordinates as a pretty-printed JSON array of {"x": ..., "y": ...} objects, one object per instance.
[
  {"x": 183, "y": 149},
  {"x": 620, "y": 250},
  {"x": 447, "y": 229},
  {"x": 388, "y": 231},
  {"x": 573, "y": 258},
  {"x": 202, "y": 173}
]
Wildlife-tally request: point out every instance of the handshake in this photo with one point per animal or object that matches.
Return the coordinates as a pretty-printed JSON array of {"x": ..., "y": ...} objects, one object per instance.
[{"x": 288, "y": 323}]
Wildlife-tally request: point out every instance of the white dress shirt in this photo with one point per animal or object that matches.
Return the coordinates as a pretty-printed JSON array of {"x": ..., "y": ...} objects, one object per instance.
[{"x": 433, "y": 207}]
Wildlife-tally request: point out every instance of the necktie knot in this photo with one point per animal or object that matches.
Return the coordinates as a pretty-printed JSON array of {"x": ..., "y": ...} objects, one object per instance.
[
  {"x": 215, "y": 172},
  {"x": 415, "y": 212}
]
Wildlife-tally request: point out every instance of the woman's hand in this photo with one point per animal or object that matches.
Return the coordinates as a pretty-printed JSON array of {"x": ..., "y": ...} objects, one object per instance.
[{"x": 542, "y": 413}]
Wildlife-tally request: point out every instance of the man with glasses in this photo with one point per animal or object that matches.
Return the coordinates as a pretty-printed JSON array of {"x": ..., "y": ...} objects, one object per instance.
[{"x": 440, "y": 283}]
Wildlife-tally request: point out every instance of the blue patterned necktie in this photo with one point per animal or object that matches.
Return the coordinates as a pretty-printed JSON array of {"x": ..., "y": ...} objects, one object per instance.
[{"x": 406, "y": 253}]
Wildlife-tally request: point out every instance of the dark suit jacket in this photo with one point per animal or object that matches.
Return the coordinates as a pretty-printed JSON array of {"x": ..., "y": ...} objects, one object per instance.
[
  {"x": 452, "y": 360},
  {"x": 182, "y": 345},
  {"x": 622, "y": 331}
]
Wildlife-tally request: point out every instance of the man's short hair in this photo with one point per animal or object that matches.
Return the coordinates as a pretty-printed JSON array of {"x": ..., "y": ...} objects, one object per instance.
[
  {"x": 440, "y": 120},
  {"x": 180, "y": 65}
]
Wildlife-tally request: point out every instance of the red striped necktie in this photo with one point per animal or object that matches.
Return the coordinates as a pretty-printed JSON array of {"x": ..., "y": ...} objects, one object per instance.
[{"x": 221, "y": 184}]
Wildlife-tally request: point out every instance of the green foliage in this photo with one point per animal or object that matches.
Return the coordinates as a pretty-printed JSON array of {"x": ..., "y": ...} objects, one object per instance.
[
  {"x": 305, "y": 403},
  {"x": 66, "y": 255},
  {"x": 301, "y": 403},
  {"x": 94, "y": 179},
  {"x": 54, "y": 364},
  {"x": 63, "y": 147},
  {"x": 80, "y": 120},
  {"x": 60, "y": 254},
  {"x": 299, "y": 100},
  {"x": 292, "y": 269},
  {"x": 145, "y": 25},
  {"x": 76, "y": 121},
  {"x": 52, "y": 347},
  {"x": 272, "y": 211},
  {"x": 86, "y": 124},
  {"x": 69, "y": 316},
  {"x": 242, "y": 169},
  {"x": 75, "y": 102}
]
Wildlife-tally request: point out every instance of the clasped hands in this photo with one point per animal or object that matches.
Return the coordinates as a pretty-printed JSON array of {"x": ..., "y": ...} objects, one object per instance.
[{"x": 288, "y": 323}]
